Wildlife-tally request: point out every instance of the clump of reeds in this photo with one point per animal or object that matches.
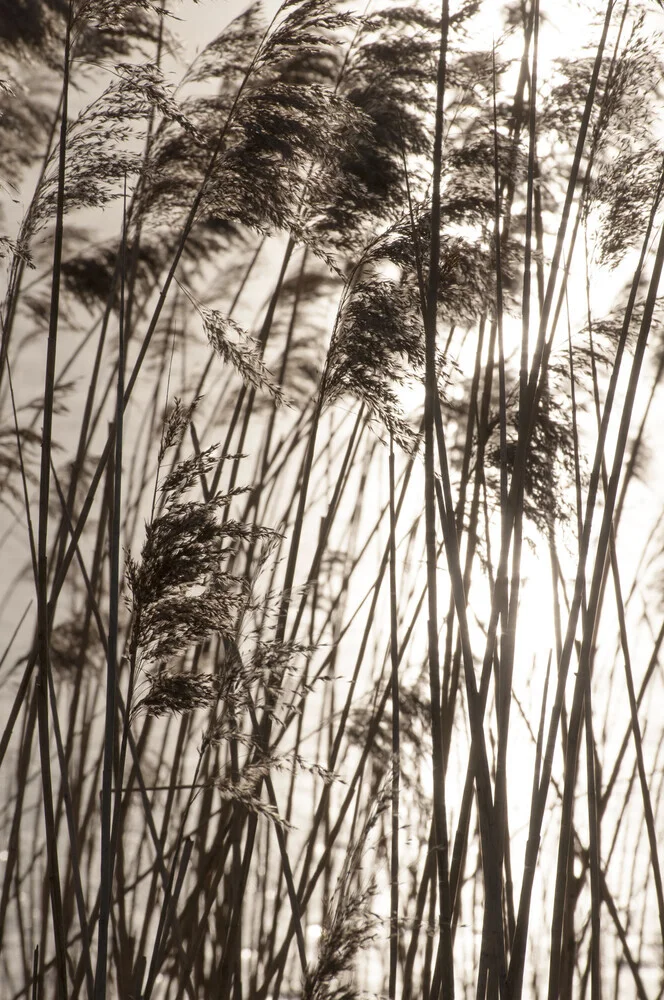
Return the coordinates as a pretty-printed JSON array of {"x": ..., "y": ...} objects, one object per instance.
[{"x": 413, "y": 592}]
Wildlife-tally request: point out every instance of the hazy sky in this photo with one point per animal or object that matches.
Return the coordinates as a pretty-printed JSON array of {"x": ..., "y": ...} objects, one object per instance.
[{"x": 202, "y": 21}]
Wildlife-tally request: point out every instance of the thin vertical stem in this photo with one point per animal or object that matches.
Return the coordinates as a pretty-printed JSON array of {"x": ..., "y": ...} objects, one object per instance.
[
  {"x": 115, "y": 526},
  {"x": 394, "y": 655},
  {"x": 44, "y": 620},
  {"x": 430, "y": 398}
]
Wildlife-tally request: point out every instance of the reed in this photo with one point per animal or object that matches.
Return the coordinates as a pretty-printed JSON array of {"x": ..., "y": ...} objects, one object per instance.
[{"x": 331, "y": 378}]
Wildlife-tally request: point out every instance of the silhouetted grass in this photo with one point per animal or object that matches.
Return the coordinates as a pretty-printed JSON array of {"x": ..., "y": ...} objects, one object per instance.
[{"x": 333, "y": 492}]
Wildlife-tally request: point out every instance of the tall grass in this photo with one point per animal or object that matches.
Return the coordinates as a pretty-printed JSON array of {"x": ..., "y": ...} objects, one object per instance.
[{"x": 332, "y": 597}]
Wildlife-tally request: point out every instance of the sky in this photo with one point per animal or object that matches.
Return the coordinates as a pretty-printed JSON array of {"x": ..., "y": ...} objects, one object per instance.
[{"x": 202, "y": 21}]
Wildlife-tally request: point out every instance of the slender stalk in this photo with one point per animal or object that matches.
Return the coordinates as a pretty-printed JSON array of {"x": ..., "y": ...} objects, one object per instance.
[
  {"x": 43, "y": 612},
  {"x": 106, "y": 851},
  {"x": 394, "y": 641},
  {"x": 431, "y": 388}
]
